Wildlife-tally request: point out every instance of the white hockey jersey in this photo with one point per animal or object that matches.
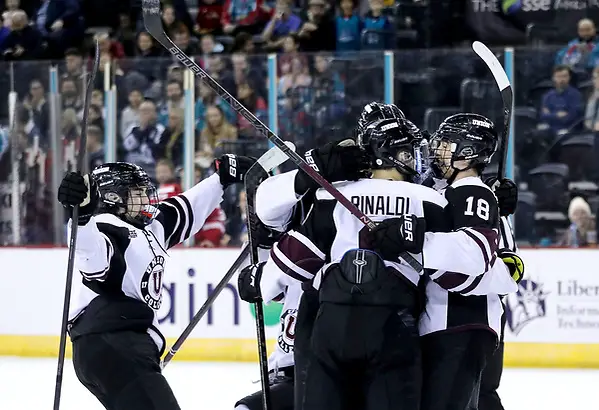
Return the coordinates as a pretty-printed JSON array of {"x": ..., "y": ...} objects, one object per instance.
[{"x": 283, "y": 355}]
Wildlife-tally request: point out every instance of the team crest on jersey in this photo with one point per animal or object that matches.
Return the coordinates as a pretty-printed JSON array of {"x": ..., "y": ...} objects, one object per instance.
[
  {"x": 526, "y": 305},
  {"x": 151, "y": 283},
  {"x": 287, "y": 335}
]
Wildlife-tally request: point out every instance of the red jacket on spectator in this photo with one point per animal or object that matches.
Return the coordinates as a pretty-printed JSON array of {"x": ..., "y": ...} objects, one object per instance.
[
  {"x": 209, "y": 15},
  {"x": 244, "y": 12},
  {"x": 168, "y": 190}
]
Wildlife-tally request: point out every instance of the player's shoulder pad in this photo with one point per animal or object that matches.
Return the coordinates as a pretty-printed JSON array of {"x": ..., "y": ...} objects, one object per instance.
[
  {"x": 114, "y": 228},
  {"x": 324, "y": 195},
  {"x": 471, "y": 203}
]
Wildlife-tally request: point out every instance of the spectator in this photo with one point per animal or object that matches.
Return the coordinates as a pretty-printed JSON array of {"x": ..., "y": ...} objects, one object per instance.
[
  {"x": 109, "y": 46},
  {"x": 125, "y": 34},
  {"x": 38, "y": 107},
  {"x": 282, "y": 23},
  {"x": 62, "y": 24},
  {"x": 217, "y": 130},
  {"x": 71, "y": 98},
  {"x": 247, "y": 95},
  {"x": 582, "y": 52},
  {"x": 379, "y": 32},
  {"x": 318, "y": 30},
  {"x": 24, "y": 42},
  {"x": 71, "y": 129},
  {"x": 73, "y": 63},
  {"x": 145, "y": 52},
  {"x": 96, "y": 117},
  {"x": 244, "y": 15},
  {"x": 582, "y": 227},
  {"x": 182, "y": 13},
  {"x": 169, "y": 20},
  {"x": 141, "y": 141},
  {"x": 182, "y": 39},
  {"x": 174, "y": 99},
  {"x": 591, "y": 116},
  {"x": 95, "y": 148},
  {"x": 213, "y": 231},
  {"x": 5, "y": 29},
  {"x": 209, "y": 17},
  {"x": 209, "y": 46},
  {"x": 290, "y": 51},
  {"x": 349, "y": 27},
  {"x": 116, "y": 73},
  {"x": 562, "y": 106},
  {"x": 243, "y": 43},
  {"x": 171, "y": 143},
  {"x": 207, "y": 97},
  {"x": 294, "y": 74},
  {"x": 12, "y": 5},
  {"x": 130, "y": 115},
  {"x": 166, "y": 180},
  {"x": 329, "y": 90}
]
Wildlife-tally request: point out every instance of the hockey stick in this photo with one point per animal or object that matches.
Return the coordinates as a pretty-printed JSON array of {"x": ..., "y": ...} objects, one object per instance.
[
  {"x": 269, "y": 161},
  {"x": 153, "y": 23},
  {"x": 507, "y": 95},
  {"x": 73, "y": 241}
]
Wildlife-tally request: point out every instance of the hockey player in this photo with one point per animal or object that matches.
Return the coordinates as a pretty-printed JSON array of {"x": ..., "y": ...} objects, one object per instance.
[
  {"x": 460, "y": 331},
  {"x": 121, "y": 252}
]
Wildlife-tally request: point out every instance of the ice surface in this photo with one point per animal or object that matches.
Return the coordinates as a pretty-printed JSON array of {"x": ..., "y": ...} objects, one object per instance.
[{"x": 28, "y": 384}]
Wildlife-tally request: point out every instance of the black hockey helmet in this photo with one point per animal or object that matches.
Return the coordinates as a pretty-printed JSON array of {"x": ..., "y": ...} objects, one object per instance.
[
  {"x": 126, "y": 191},
  {"x": 393, "y": 143},
  {"x": 463, "y": 137},
  {"x": 377, "y": 111}
]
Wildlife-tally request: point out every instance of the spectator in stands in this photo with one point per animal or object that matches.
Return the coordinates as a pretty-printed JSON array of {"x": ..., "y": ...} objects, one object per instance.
[
  {"x": 125, "y": 34},
  {"x": 295, "y": 74},
  {"x": 71, "y": 130},
  {"x": 145, "y": 52},
  {"x": 217, "y": 130},
  {"x": 95, "y": 148},
  {"x": 246, "y": 94},
  {"x": 171, "y": 143},
  {"x": 329, "y": 90},
  {"x": 24, "y": 42},
  {"x": 583, "y": 51},
  {"x": 349, "y": 27},
  {"x": 73, "y": 63},
  {"x": 130, "y": 115},
  {"x": 562, "y": 106},
  {"x": 169, "y": 20},
  {"x": 213, "y": 230},
  {"x": 243, "y": 43},
  {"x": 208, "y": 19},
  {"x": 317, "y": 33},
  {"x": 183, "y": 40},
  {"x": 142, "y": 140},
  {"x": 38, "y": 107},
  {"x": 5, "y": 28},
  {"x": 244, "y": 15},
  {"x": 282, "y": 23},
  {"x": 12, "y": 5},
  {"x": 206, "y": 98},
  {"x": 591, "y": 116},
  {"x": 71, "y": 98},
  {"x": 582, "y": 226},
  {"x": 174, "y": 99},
  {"x": 379, "y": 32},
  {"x": 209, "y": 46},
  {"x": 110, "y": 46},
  {"x": 96, "y": 117},
  {"x": 166, "y": 180},
  {"x": 61, "y": 22},
  {"x": 116, "y": 72},
  {"x": 182, "y": 13}
]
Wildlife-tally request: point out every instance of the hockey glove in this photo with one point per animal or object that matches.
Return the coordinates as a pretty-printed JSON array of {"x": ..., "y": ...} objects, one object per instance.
[
  {"x": 513, "y": 262},
  {"x": 336, "y": 161},
  {"x": 266, "y": 236},
  {"x": 396, "y": 235},
  {"x": 248, "y": 283},
  {"x": 506, "y": 192},
  {"x": 74, "y": 190},
  {"x": 232, "y": 168}
]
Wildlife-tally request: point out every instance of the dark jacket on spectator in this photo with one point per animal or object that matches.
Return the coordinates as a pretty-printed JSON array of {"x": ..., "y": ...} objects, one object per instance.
[
  {"x": 569, "y": 100},
  {"x": 321, "y": 39},
  {"x": 142, "y": 146},
  {"x": 29, "y": 39},
  {"x": 69, "y": 12}
]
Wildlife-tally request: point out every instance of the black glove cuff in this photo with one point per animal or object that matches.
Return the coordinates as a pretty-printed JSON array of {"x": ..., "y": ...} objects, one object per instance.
[{"x": 303, "y": 183}]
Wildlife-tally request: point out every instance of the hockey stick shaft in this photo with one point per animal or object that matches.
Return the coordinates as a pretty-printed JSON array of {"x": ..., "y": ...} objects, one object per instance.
[
  {"x": 269, "y": 161},
  {"x": 73, "y": 240},
  {"x": 505, "y": 88},
  {"x": 153, "y": 23}
]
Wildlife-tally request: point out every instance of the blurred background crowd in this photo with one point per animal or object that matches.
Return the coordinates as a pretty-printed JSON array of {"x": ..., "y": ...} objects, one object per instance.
[{"x": 331, "y": 59}]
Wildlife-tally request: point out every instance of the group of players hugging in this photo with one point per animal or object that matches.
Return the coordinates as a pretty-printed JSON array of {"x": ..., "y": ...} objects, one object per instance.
[{"x": 362, "y": 327}]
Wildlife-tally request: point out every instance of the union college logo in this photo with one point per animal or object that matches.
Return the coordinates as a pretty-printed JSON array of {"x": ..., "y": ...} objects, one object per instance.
[{"x": 151, "y": 283}]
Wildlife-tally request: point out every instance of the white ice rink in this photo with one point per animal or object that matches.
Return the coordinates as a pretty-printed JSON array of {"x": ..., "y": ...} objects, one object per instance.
[{"x": 28, "y": 384}]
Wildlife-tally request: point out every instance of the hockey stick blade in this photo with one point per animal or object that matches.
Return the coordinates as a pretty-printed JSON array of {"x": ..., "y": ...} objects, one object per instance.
[
  {"x": 73, "y": 240},
  {"x": 153, "y": 23},
  {"x": 507, "y": 97},
  {"x": 269, "y": 161}
]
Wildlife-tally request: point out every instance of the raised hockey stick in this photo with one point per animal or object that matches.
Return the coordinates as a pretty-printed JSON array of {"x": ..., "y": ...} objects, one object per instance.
[
  {"x": 269, "y": 161},
  {"x": 73, "y": 241},
  {"x": 153, "y": 23},
  {"x": 507, "y": 95}
]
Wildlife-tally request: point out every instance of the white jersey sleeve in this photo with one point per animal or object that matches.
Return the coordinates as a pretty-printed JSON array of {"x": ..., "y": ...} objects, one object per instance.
[
  {"x": 182, "y": 216},
  {"x": 276, "y": 200},
  {"x": 93, "y": 251}
]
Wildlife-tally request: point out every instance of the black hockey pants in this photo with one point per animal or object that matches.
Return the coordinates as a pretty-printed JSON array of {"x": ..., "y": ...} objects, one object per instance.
[
  {"x": 281, "y": 393},
  {"x": 302, "y": 355},
  {"x": 122, "y": 369},
  {"x": 489, "y": 399},
  {"x": 453, "y": 363}
]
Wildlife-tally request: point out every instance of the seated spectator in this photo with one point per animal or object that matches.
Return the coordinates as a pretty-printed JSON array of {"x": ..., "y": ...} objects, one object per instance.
[
  {"x": 141, "y": 141},
  {"x": 169, "y": 20},
  {"x": 145, "y": 54},
  {"x": 206, "y": 98},
  {"x": 61, "y": 22},
  {"x": 290, "y": 51},
  {"x": 294, "y": 74},
  {"x": 125, "y": 34},
  {"x": 24, "y": 42},
  {"x": 244, "y": 15},
  {"x": 349, "y": 27},
  {"x": 96, "y": 117},
  {"x": 381, "y": 35},
  {"x": 209, "y": 46},
  {"x": 246, "y": 94},
  {"x": 130, "y": 115},
  {"x": 317, "y": 32},
  {"x": 174, "y": 99},
  {"x": 217, "y": 130},
  {"x": 73, "y": 59},
  {"x": 38, "y": 107},
  {"x": 166, "y": 180},
  {"x": 182, "y": 13},
  {"x": 282, "y": 23},
  {"x": 95, "y": 147},
  {"x": 182, "y": 39},
  {"x": 328, "y": 88},
  {"x": 582, "y": 228},
  {"x": 562, "y": 106},
  {"x": 243, "y": 43},
  {"x": 116, "y": 72},
  {"x": 5, "y": 29},
  {"x": 71, "y": 97},
  {"x": 582, "y": 52},
  {"x": 591, "y": 115},
  {"x": 208, "y": 19},
  {"x": 172, "y": 141},
  {"x": 71, "y": 129},
  {"x": 110, "y": 46}
]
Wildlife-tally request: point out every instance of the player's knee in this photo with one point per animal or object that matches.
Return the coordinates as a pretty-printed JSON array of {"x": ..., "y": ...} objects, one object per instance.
[{"x": 242, "y": 407}]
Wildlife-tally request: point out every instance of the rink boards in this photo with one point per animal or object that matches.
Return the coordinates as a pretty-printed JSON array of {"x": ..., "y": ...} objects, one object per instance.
[{"x": 553, "y": 321}]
